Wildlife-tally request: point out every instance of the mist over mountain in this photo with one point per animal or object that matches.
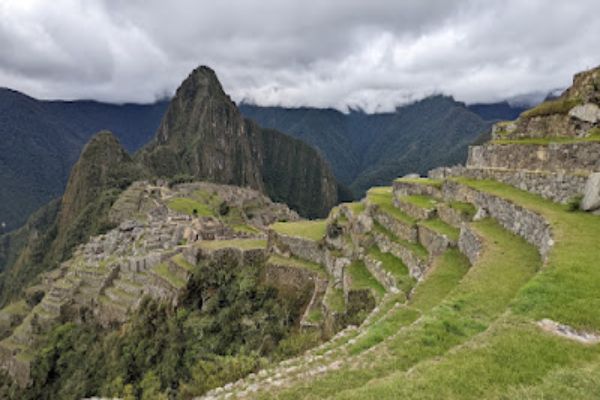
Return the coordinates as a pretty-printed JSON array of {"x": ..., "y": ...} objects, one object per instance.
[{"x": 365, "y": 150}]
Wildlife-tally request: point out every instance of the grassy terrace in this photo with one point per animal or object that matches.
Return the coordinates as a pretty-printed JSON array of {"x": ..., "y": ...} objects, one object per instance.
[
  {"x": 362, "y": 278},
  {"x": 437, "y": 183},
  {"x": 471, "y": 304},
  {"x": 334, "y": 298},
  {"x": 296, "y": 263},
  {"x": 416, "y": 248},
  {"x": 182, "y": 262},
  {"x": 567, "y": 289},
  {"x": 384, "y": 199},
  {"x": 466, "y": 209},
  {"x": 419, "y": 201},
  {"x": 396, "y": 267},
  {"x": 312, "y": 230},
  {"x": 242, "y": 244},
  {"x": 440, "y": 226},
  {"x": 356, "y": 207},
  {"x": 162, "y": 270}
]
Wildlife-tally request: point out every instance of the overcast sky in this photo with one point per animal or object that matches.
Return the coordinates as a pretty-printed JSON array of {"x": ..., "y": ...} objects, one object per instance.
[{"x": 361, "y": 53}]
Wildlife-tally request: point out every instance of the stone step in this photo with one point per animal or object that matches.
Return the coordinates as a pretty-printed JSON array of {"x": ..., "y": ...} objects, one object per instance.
[
  {"x": 399, "y": 223},
  {"x": 180, "y": 267},
  {"x": 418, "y": 187},
  {"x": 456, "y": 213},
  {"x": 121, "y": 297},
  {"x": 414, "y": 256},
  {"x": 437, "y": 236},
  {"x": 376, "y": 269},
  {"x": 417, "y": 206},
  {"x": 129, "y": 286}
]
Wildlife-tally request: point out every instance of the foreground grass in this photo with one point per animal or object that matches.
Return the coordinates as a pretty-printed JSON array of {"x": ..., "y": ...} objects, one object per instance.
[
  {"x": 396, "y": 267},
  {"x": 312, "y": 230},
  {"x": 566, "y": 290},
  {"x": 484, "y": 292},
  {"x": 362, "y": 278}
]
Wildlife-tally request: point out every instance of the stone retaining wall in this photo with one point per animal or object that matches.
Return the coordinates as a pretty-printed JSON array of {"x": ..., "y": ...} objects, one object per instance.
[
  {"x": 401, "y": 229},
  {"x": 409, "y": 189},
  {"x": 565, "y": 158},
  {"x": 557, "y": 187},
  {"x": 299, "y": 247},
  {"x": 416, "y": 266},
  {"x": 435, "y": 242},
  {"x": 385, "y": 278},
  {"x": 470, "y": 243},
  {"x": 525, "y": 223}
]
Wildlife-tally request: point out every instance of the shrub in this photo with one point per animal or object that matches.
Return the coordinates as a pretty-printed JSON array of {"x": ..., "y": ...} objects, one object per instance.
[{"x": 574, "y": 202}]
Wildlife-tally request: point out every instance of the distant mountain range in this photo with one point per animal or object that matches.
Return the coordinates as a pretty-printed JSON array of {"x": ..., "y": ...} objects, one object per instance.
[
  {"x": 366, "y": 150},
  {"x": 41, "y": 140}
]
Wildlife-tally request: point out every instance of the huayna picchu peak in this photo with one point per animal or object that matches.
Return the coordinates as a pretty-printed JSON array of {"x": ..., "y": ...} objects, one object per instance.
[
  {"x": 204, "y": 135},
  {"x": 223, "y": 260}
]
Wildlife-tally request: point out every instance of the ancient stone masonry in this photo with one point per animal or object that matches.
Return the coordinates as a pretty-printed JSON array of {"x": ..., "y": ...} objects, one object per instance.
[
  {"x": 470, "y": 243},
  {"x": 554, "y": 157},
  {"x": 150, "y": 255},
  {"x": 525, "y": 223}
]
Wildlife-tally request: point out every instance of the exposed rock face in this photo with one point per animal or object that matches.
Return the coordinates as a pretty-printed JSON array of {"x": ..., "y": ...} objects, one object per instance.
[
  {"x": 575, "y": 113},
  {"x": 591, "y": 197},
  {"x": 204, "y": 135}
]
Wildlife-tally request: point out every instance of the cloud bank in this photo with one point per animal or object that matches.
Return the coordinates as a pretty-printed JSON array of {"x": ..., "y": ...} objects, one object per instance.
[{"x": 337, "y": 53}]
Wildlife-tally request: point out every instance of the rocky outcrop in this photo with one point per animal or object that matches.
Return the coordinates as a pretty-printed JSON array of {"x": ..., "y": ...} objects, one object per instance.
[
  {"x": 576, "y": 113},
  {"x": 591, "y": 194}
]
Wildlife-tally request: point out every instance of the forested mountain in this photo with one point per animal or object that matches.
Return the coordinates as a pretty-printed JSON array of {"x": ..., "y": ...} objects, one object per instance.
[
  {"x": 370, "y": 149},
  {"x": 41, "y": 140}
]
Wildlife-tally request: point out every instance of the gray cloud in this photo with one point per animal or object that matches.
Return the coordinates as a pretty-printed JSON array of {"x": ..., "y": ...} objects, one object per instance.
[{"x": 337, "y": 53}]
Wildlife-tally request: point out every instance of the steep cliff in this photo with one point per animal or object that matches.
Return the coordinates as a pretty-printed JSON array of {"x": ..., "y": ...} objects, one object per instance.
[{"x": 204, "y": 135}]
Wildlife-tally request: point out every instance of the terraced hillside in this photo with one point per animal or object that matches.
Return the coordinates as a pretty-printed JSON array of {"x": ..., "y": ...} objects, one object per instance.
[
  {"x": 475, "y": 282},
  {"x": 485, "y": 278}
]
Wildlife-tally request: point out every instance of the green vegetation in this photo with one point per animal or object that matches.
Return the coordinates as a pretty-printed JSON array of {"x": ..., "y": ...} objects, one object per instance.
[
  {"x": 396, "y": 267},
  {"x": 436, "y": 183},
  {"x": 383, "y": 198},
  {"x": 312, "y": 230},
  {"x": 183, "y": 263},
  {"x": 190, "y": 207},
  {"x": 357, "y": 207},
  {"x": 445, "y": 273},
  {"x": 416, "y": 248},
  {"x": 558, "y": 106},
  {"x": 566, "y": 290},
  {"x": 419, "y": 201},
  {"x": 440, "y": 226},
  {"x": 242, "y": 244},
  {"x": 163, "y": 271},
  {"x": 466, "y": 209},
  {"x": 243, "y": 324},
  {"x": 334, "y": 298},
  {"x": 296, "y": 263},
  {"x": 474, "y": 302},
  {"x": 362, "y": 278}
]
